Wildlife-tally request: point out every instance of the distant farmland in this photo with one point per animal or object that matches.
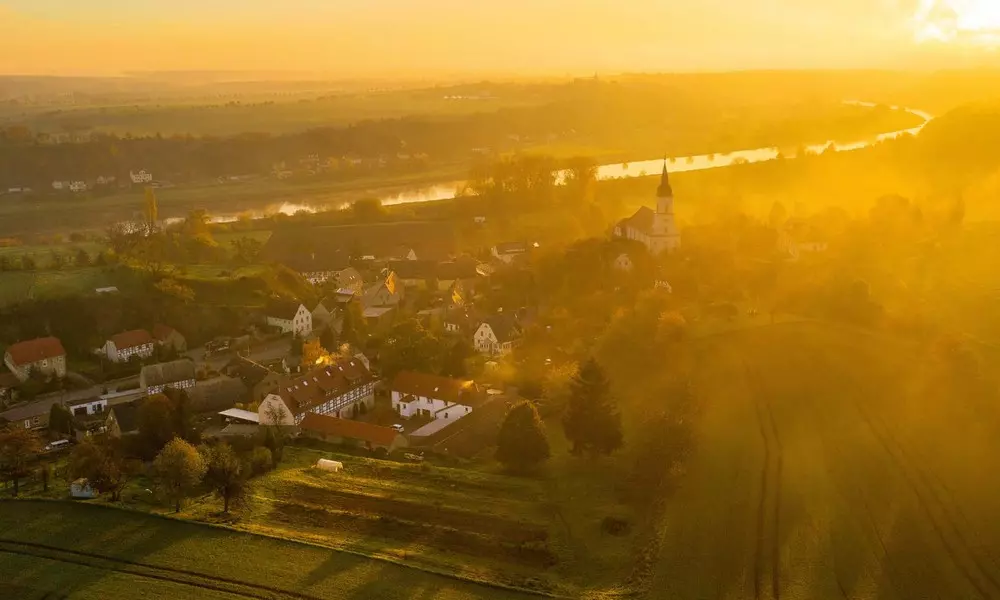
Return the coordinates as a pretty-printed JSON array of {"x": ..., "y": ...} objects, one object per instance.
[
  {"x": 820, "y": 474},
  {"x": 78, "y": 551}
]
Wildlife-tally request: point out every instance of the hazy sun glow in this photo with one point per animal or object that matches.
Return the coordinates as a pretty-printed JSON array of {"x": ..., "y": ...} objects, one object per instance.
[{"x": 976, "y": 21}]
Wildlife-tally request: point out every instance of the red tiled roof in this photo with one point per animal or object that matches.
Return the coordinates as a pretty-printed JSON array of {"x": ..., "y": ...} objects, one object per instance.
[
  {"x": 32, "y": 351},
  {"x": 161, "y": 332},
  {"x": 346, "y": 428},
  {"x": 432, "y": 386},
  {"x": 132, "y": 339},
  {"x": 319, "y": 385}
]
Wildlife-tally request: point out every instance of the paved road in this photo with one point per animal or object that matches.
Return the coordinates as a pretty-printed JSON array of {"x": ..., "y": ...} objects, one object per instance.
[{"x": 268, "y": 351}]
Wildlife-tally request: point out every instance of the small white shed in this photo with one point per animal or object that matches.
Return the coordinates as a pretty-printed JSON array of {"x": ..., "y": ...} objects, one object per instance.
[
  {"x": 333, "y": 466},
  {"x": 81, "y": 489}
]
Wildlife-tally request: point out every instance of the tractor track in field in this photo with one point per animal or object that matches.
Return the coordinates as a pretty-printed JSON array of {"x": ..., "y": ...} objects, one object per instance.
[
  {"x": 980, "y": 576},
  {"x": 770, "y": 485},
  {"x": 166, "y": 574}
]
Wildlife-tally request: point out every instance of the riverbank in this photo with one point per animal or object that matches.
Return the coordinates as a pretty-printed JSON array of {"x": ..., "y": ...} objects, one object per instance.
[{"x": 33, "y": 217}]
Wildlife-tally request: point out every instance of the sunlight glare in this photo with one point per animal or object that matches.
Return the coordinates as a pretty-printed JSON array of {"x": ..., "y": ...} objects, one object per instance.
[{"x": 977, "y": 21}]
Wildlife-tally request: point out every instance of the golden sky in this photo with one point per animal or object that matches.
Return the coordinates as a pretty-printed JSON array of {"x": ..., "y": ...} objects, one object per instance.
[{"x": 414, "y": 37}]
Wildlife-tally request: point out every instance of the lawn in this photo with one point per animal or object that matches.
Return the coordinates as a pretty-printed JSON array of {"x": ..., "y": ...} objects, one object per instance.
[
  {"x": 821, "y": 474},
  {"x": 16, "y": 286},
  {"x": 81, "y": 551},
  {"x": 540, "y": 533}
]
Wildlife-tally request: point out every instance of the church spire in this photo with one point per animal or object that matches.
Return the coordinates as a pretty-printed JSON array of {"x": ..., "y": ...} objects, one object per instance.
[{"x": 664, "y": 191}]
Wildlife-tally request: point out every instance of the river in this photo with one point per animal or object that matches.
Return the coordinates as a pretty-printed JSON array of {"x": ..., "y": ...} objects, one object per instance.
[{"x": 640, "y": 168}]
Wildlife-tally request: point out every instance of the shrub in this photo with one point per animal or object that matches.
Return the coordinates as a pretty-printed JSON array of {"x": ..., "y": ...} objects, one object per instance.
[{"x": 261, "y": 460}]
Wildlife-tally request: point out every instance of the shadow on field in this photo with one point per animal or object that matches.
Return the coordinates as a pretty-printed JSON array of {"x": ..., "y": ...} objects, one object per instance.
[{"x": 79, "y": 529}]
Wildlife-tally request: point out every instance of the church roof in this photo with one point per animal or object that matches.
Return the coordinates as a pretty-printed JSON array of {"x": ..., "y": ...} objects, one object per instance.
[
  {"x": 664, "y": 191},
  {"x": 641, "y": 221}
]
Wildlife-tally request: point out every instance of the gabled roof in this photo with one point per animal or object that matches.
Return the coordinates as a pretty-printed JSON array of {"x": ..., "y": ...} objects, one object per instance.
[
  {"x": 249, "y": 372},
  {"x": 32, "y": 351},
  {"x": 346, "y": 428},
  {"x": 170, "y": 372},
  {"x": 283, "y": 309},
  {"x": 414, "y": 269},
  {"x": 131, "y": 339},
  {"x": 434, "y": 386},
  {"x": 319, "y": 385},
  {"x": 127, "y": 415},
  {"x": 641, "y": 221},
  {"x": 504, "y": 327},
  {"x": 161, "y": 332},
  {"x": 458, "y": 269}
]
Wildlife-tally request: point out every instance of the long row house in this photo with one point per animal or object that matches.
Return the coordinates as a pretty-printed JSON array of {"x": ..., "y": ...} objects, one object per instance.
[{"x": 338, "y": 390}]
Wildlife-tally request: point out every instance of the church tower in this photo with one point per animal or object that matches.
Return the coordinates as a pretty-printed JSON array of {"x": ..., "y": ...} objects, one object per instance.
[{"x": 665, "y": 236}]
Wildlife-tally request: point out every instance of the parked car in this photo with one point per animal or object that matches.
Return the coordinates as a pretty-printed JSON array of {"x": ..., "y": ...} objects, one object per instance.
[
  {"x": 398, "y": 428},
  {"x": 57, "y": 446}
]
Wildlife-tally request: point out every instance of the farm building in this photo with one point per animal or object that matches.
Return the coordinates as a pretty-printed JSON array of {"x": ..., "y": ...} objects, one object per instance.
[
  {"x": 354, "y": 433},
  {"x": 123, "y": 346},
  {"x": 178, "y": 374},
  {"x": 432, "y": 396},
  {"x": 168, "y": 337},
  {"x": 338, "y": 389},
  {"x": 45, "y": 355},
  {"x": 290, "y": 317}
]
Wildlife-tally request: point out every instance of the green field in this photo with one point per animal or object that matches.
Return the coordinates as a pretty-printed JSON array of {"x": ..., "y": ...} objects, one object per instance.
[
  {"x": 79, "y": 551},
  {"x": 17, "y": 286},
  {"x": 820, "y": 473}
]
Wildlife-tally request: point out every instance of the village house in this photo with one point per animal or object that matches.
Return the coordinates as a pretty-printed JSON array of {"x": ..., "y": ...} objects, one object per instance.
[
  {"x": 60, "y": 185},
  {"x": 353, "y": 433},
  {"x": 338, "y": 389},
  {"x": 33, "y": 415},
  {"x": 433, "y": 397},
  {"x": 461, "y": 272},
  {"x": 495, "y": 336},
  {"x": 290, "y": 317},
  {"x": 43, "y": 355},
  {"x": 78, "y": 186},
  {"x": 178, "y": 375},
  {"x": 329, "y": 307},
  {"x": 89, "y": 416},
  {"x": 798, "y": 237},
  {"x": 387, "y": 292},
  {"x": 124, "y": 346},
  {"x": 141, "y": 176},
  {"x": 169, "y": 338},
  {"x": 508, "y": 252},
  {"x": 123, "y": 419},
  {"x": 258, "y": 379}
]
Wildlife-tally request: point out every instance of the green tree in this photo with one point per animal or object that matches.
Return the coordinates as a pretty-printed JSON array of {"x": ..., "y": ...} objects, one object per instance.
[
  {"x": 156, "y": 423},
  {"x": 60, "y": 420},
  {"x": 246, "y": 249},
  {"x": 17, "y": 448},
  {"x": 368, "y": 209},
  {"x": 104, "y": 465},
  {"x": 226, "y": 475},
  {"x": 522, "y": 443},
  {"x": 82, "y": 258},
  {"x": 178, "y": 468},
  {"x": 353, "y": 329},
  {"x": 592, "y": 421}
]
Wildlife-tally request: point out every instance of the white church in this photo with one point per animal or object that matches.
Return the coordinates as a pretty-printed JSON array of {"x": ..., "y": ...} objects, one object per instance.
[{"x": 656, "y": 230}]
